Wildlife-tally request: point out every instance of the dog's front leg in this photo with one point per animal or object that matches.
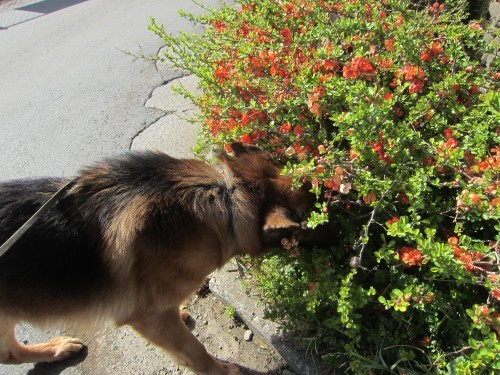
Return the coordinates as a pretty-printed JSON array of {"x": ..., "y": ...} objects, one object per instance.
[
  {"x": 56, "y": 349},
  {"x": 168, "y": 331}
]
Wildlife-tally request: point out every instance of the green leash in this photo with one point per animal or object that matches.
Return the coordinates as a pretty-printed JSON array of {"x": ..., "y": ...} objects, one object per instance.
[{"x": 33, "y": 219}]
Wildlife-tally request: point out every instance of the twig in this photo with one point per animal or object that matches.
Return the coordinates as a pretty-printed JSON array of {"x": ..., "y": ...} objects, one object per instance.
[{"x": 367, "y": 227}]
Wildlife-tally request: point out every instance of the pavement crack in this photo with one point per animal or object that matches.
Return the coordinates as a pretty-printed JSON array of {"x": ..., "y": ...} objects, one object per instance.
[{"x": 146, "y": 126}]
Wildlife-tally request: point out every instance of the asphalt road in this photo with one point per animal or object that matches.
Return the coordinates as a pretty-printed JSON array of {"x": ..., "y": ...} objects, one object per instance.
[{"x": 70, "y": 96}]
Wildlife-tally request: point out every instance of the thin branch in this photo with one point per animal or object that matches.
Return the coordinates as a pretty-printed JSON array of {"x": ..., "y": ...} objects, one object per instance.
[{"x": 368, "y": 225}]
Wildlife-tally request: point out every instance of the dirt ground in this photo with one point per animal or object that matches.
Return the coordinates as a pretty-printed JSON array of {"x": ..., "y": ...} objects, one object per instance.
[{"x": 223, "y": 336}]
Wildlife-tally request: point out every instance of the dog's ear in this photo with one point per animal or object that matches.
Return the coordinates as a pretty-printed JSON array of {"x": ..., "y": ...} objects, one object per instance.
[
  {"x": 236, "y": 148},
  {"x": 239, "y": 149}
]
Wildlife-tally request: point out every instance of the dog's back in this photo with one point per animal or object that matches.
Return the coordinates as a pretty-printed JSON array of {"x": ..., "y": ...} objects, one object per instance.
[
  {"x": 131, "y": 239},
  {"x": 86, "y": 245}
]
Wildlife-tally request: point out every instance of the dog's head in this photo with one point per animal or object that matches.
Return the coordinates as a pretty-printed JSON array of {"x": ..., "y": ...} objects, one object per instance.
[{"x": 282, "y": 208}]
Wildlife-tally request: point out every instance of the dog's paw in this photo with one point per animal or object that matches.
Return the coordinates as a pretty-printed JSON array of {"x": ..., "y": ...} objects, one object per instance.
[
  {"x": 61, "y": 348},
  {"x": 184, "y": 316}
]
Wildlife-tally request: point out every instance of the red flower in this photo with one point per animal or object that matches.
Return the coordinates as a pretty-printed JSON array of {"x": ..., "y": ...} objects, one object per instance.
[
  {"x": 350, "y": 73},
  {"x": 311, "y": 288},
  {"x": 451, "y": 143},
  {"x": 436, "y": 48},
  {"x": 369, "y": 198},
  {"x": 285, "y": 128},
  {"x": 221, "y": 74},
  {"x": 378, "y": 147},
  {"x": 246, "y": 138},
  {"x": 352, "y": 154},
  {"x": 448, "y": 133},
  {"x": 496, "y": 294},
  {"x": 411, "y": 72},
  {"x": 392, "y": 221},
  {"x": 426, "y": 56},
  {"x": 399, "y": 21},
  {"x": 389, "y": 44},
  {"x": 403, "y": 198},
  {"x": 358, "y": 66},
  {"x": 219, "y": 26},
  {"x": 244, "y": 30},
  {"x": 398, "y": 111},
  {"x": 298, "y": 130},
  {"x": 416, "y": 86},
  {"x": 410, "y": 257},
  {"x": 286, "y": 34}
]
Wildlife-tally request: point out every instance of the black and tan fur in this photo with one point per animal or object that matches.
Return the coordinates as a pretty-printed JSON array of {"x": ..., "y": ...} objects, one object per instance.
[{"x": 132, "y": 239}]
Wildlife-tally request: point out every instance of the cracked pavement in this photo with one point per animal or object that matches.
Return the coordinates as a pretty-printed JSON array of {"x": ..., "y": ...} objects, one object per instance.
[{"x": 70, "y": 96}]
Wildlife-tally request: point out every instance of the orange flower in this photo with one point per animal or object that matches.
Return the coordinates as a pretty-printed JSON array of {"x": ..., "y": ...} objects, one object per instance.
[
  {"x": 410, "y": 257},
  {"x": 285, "y": 128},
  {"x": 369, "y": 198},
  {"x": 298, "y": 130},
  {"x": 426, "y": 56},
  {"x": 349, "y": 73},
  {"x": 448, "y": 133},
  {"x": 392, "y": 221},
  {"x": 219, "y": 26},
  {"x": 389, "y": 44},
  {"x": 385, "y": 64},
  {"x": 221, "y": 73},
  {"x": 399, "y": 21},
  {"x": 411, "y": 72},
  {"x": 358, "y": 66},
  {"x": 436, "y": 48},
  {"x": 416, "y": 86},
  {"x": 246, "y": 138},
  {"x": 286, "y": 34},
  {"x": 496, "y": 294}
]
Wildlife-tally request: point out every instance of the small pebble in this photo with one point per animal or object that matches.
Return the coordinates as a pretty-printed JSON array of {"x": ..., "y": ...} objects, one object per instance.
[{"x": 248, "y": 336}]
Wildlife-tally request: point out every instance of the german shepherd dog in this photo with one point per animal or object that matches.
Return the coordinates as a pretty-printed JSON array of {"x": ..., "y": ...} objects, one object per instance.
[{"x": 131, "y": 239}]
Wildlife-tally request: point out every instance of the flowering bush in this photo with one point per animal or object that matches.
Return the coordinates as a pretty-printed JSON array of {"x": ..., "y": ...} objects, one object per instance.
[{"x": 384, "y": 107}]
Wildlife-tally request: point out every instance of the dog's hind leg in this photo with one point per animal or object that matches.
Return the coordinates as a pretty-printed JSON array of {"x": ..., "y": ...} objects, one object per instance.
[
  {"x": 56, "y": 349},
  {"x": 168, "y": 331}
]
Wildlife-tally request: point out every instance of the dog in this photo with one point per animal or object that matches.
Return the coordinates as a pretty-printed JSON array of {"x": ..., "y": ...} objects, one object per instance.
[{"x": 131, "y": 239}]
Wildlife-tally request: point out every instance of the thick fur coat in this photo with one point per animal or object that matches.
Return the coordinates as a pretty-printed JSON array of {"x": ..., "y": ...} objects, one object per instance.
[{"x": 131, "y": 239}]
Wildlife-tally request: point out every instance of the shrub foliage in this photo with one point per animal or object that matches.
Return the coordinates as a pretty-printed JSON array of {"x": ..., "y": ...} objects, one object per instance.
[{"x": 385, "y": 108}]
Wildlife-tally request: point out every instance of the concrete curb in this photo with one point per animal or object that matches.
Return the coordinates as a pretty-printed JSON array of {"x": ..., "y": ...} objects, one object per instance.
[{"x": 226, "y": 285}]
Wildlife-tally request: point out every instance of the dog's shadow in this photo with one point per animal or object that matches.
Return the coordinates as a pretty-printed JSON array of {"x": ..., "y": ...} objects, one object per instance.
[
  {"x": 56, "y": 368},
  {"x": 247, "y": 371}
]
